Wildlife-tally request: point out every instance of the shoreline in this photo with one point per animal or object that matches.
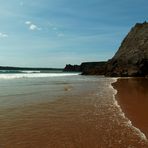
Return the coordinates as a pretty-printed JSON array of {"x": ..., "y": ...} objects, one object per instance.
[
  {"x": 80, "y": 115},
  {"x": 119, "y": 102}
]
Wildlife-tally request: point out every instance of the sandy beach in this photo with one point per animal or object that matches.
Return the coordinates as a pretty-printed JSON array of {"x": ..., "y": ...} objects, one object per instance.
[
  {"x": 133, "y": 98},
  {"x": 65, "y": 112}
]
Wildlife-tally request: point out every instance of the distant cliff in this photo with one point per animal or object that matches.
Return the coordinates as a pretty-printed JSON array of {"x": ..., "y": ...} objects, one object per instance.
[
  {"x": 72, "y": 68},
  {"x": 132, "y": 57},
  {"x": 87, "y": 68},
  {"x": 93, "y": 68}
]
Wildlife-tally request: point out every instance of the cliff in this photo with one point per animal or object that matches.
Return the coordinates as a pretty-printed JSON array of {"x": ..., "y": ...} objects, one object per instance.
[
  {"x": 132, "y": 57},
  {"x": 72, "y": 68},
  {"x": 93, "y": 68},
  {"x": 87, "y": 68}
]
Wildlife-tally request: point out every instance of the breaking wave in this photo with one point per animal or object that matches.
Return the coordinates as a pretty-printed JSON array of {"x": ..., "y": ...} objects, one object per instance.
[
  {"x": 128, "y": 121},
  {"x": 34, "y": 75}
]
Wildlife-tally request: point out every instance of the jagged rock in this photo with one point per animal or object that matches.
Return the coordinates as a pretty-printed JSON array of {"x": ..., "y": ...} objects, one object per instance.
[
  {"x": 72, "y": 68},
  {"x": 93, "y": 68},
  {"x": 132, "y": 57},
  {"x": 87, "y": 68}
]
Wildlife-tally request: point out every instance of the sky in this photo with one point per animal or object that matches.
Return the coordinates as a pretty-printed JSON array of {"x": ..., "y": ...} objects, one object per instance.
[{"x": 53, "y": 33}]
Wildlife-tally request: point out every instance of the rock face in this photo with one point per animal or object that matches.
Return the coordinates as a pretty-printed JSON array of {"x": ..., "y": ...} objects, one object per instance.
[
  {"x": 93, "y": 68},
  {"x": 87, "y": 68},
  {"x": 72, "y": 68},
  {"x": 132, "y": 57},
  {"x": 130, "y": 60}
]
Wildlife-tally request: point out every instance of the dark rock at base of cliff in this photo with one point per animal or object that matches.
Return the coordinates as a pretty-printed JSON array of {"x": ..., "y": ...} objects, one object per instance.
[
  {"x": 125, "y": 69},
  {"x": 93, "y": 68}
]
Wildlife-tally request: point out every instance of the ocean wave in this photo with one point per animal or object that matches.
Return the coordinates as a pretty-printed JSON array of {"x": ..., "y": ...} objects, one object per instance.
[
  {"x": 19, "y": 71},
  {"x": 122, "y": 114},
  {"x": 29, "y": 71},
  {"x": 35, "y": 75}
]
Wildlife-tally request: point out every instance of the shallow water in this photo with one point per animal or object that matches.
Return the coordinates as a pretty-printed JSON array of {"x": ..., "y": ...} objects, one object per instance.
[
  {"x": 133, "y": 98},
  {"x": 64, "y": 112}
]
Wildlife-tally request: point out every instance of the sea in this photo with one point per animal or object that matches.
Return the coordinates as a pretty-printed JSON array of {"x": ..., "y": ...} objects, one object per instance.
[{"x": 56, "y": 109}]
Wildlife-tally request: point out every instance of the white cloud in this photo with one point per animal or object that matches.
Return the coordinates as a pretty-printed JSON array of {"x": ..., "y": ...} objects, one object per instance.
[
  {"x": 27, "y": 22},
  {"x": 32, "y": 26},
  {"x": 3, "y": 35}
]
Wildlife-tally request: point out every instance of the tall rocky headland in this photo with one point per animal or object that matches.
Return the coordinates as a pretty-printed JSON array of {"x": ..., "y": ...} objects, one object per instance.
[{"x": 132, "y": 57}]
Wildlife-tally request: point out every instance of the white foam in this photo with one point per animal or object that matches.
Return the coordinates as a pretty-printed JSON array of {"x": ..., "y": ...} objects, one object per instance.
[
  {"x": 129, "y": 122},
  {"x": 28, "y": 71},
  {"x": 35, "y": 75}
]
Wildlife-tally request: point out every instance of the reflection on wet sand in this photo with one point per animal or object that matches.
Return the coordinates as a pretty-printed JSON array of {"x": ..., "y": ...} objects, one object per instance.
[{"x": 133, "y": 98}]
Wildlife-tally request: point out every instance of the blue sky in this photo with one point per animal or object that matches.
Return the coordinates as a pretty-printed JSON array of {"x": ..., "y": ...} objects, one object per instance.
[{"x": 52, "y": 33}]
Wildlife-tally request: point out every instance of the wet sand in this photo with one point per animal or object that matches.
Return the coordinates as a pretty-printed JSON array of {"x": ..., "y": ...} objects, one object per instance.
[
  {"x": 132, "y": 96},
  {"x": 82, "y": 114}
]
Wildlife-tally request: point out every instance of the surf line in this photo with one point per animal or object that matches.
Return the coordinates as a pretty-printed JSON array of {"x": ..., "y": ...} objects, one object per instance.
[{"x": 129, "y": 122}]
